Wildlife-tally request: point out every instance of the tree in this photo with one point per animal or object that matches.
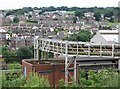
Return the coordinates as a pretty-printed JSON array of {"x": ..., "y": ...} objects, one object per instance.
[
  {"x": 83, "y": 36},
  {"x": 118, "y": 14},
  {"x": 74, "y": 19},
  {"x": 3, "y": 49},
  {"x": 111, "y": 19},
  {"x": 16, "y": 20},
  {"x": 97, "y": 16},
  {"x": 9, "y": 56},
  {"x": 109, "y": 14},
  {"x": 79, "y": 13},
  {"x": 41, "y": 12},
  {"x": 24, "y": 52},
  {"x": 29, "y": 16}
]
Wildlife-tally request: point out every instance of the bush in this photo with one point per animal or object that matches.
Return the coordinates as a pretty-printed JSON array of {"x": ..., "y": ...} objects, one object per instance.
[
  {"x": 103, "y": 78},
  {"x": 16, "y": 20},
  {"x": 24, "y": 52},
  {"x": 10, "y": 57},
  {"x": 32, "y": 21},
  {"x": 18, "y": 80},
  {"x": 35, "y": 81},
  {"x": 14, "y": 65},
  {"x": 12, "y": 80}
]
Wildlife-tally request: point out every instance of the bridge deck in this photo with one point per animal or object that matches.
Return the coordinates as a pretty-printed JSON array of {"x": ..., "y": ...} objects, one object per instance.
[{"x": 85, "y": 49}]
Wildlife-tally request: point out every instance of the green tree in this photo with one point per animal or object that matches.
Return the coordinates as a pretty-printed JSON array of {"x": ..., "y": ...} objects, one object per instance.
[
  {"x": 3, "y": 49},
  {"x": 83, "y": 36},
  {"x": 111, "y": 19},
  {"x": 29, "y": 16},
  {"x": 74, "y": 19},
  {"x": 16, "y": 20},
  {"x": 97, "y": 16},
  {"x": 109, "y": 14},
  {"x": 79, "y": 13},
  {"x": 10, "y": 56},
  {"x": 24, "y": 52}
]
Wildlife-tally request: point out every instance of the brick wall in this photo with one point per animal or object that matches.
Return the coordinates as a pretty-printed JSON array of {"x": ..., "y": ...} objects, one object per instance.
[{"x": 54, "y": 72}]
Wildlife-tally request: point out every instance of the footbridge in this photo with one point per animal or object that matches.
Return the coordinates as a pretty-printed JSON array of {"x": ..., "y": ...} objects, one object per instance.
[{"x": 76, "y": 50}]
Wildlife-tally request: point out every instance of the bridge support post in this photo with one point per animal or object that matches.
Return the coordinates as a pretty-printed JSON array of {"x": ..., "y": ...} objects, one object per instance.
[
  {"x": 119, "y": 64},
  {"x": 113, "y": 50},
  {"x": 66, "y": 63},
  {"x": 75, "y": 72},
  {"x": 100, "y": 49},
  {"x": 36, "y": 49}
]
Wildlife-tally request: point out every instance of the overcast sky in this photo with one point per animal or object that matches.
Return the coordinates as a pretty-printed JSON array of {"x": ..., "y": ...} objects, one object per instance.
[{"x": 15, "y": 4}]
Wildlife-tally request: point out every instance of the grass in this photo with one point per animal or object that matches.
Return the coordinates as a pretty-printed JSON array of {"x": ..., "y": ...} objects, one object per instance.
[
  {"x": 114, "y": 23},
  {"x": 70, "y": 12}
]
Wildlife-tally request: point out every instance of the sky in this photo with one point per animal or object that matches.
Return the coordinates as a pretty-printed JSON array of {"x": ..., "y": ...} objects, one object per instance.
[{"x": 16, "y": 4}]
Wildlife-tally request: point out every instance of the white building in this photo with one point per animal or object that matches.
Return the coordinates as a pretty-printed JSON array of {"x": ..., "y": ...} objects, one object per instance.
[
  {"x": 106, "y": 36},
  {"x": 2, "y": 33}
]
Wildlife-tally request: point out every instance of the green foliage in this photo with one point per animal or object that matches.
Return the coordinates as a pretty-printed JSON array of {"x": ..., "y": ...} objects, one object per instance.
[
  {"x": 19, "y": 11},
  {"x": 56, "y": 31},
  {"x": 10, "y": 32},
  {"x": 97, "y": 16},
  {"x": 79, "y": 13},
  {"x": 21, "y": 53},
  {"x": 9, "y": 56},
  {"x": 24, "y": 52},
  {"x": 12, "y": 80},
  {"x": 61, "y": 83},
  {"x": 14, "y": 65},
  {"x": 74, "y": 19},
  {"x": 108, "y": 14},
  {"x": 35, "y": 81},
  {"x": 108, "y": 11},
  {"x": 17, "y": 80},
  {"x": 16, "y": 20},
  {"x": 32, "y": 21},
  {"x": 103, "y": 78},
  {"x": 109, "y": 78},
  {"x": 3, "y": 49},
  {"x": 29, "y": 16},
  {"x": 83, "y": 36}
]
